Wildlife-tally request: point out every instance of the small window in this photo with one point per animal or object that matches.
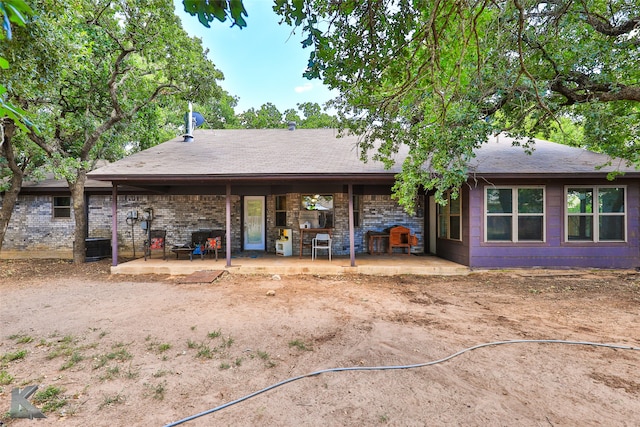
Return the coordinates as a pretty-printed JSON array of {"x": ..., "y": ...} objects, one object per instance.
[
  {"x": 595, "y": 214},
  {"x": 62, "y": 207},
  {"x": 450, "y": 218},
  {"x": 281, "y": 211},
  {"x": 514, "y": 214},
  {"x": 317, "y": 211},
  {"x": 356, "y": 210}
]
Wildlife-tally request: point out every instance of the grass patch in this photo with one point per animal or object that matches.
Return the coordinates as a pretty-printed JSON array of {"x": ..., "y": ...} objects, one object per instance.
[
  {"x": 50, "y": 399},
  {"x": 266, "y": 358},
  {"x": 21, "y": 339},
  {"x": 111, "y": 373},
  {"x": 5, "y": 378},
  {"x": 160, "y": 373},
  {"x": 205, "y": 352},
  {"x": 299, "y": 344},
  {"x": 120, "y": 355},
  {"x": 156, "y": 391},
  {"x": 158, "y": 347},
  {"x": 214, "y": 334},
  {"x": 111, "y": 400},
  {"x": 75, "y": 358},
  {"x": 15, "y": 355}
]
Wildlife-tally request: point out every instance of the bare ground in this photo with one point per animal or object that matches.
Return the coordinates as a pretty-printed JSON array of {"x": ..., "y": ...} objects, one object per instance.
[{"x": 151, "y": 350}]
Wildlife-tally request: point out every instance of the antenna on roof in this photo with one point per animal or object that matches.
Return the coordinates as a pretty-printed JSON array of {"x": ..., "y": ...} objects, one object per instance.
[{"x": 192, "y": 120}]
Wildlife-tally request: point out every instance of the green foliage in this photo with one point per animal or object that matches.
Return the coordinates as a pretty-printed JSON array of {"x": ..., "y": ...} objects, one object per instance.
[
  {"x": 267, "y": 117},
  {"x": 13, "y": 355},
  {"x": 438, "y": 78},
  {"x": 50, "y": 399},
  {"x": 300, "y": 345},
  {"x": 12, "y": 12},
  {"x": 208, "y": 10},
  {"x": 106, "y": 76},
  {"x": 5, "y": 378}
]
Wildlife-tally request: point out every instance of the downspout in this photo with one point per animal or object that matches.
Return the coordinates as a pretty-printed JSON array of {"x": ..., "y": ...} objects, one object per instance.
[
  {"x": 114, "y": 225},
  {"x": 352, "y": 247},
  {"x": 228, "y": 225}
]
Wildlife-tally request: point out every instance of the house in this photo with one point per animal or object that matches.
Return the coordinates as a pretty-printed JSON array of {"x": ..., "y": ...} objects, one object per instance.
[{"x": 553, "y": 208}]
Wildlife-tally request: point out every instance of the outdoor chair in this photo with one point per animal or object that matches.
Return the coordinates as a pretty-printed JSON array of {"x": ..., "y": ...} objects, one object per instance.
[
  {"x": 157, "y": 241},
  {"x": 322, "y": 241}
]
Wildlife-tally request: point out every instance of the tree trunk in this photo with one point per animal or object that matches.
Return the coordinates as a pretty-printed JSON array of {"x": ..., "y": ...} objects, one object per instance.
[
  {"x": 80, "y": 217},
  {"x": 15, "y": 183}
]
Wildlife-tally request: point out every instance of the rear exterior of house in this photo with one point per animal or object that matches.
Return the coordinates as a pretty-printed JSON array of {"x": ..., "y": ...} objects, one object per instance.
[
  {"x": 551, "y": 209},
  {"x": 546, "y": 223}
]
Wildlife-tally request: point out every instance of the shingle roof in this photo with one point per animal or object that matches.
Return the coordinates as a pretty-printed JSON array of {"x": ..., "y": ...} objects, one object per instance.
[
  {"x": 500, "y": 156},
  {"x": 249, "y": 152},
  {"x": 318, "y": 152}
]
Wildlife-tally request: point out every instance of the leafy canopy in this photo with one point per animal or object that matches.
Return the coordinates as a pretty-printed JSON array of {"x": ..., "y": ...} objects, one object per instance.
[{"x": 441, "y": 76}]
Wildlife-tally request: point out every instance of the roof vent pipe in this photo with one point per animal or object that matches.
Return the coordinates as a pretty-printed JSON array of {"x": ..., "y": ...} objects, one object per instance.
[
  {"x": 188, "y": 136},
  {"x": 292, "y": 125}
]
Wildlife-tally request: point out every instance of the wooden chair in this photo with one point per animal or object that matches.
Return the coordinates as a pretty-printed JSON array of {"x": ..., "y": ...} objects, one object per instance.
[{"x": 322, "y": 241}]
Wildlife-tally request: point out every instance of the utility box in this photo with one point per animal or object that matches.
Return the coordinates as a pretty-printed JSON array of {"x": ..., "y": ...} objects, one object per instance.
[{"x": 284, "y": 244}]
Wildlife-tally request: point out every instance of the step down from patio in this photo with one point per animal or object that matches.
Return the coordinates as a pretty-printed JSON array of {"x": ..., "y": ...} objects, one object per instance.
[{"x": 202, "y": 276}]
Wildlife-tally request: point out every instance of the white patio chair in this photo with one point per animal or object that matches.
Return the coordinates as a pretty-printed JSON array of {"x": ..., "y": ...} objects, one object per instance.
[{"x": 320, "y": 242}]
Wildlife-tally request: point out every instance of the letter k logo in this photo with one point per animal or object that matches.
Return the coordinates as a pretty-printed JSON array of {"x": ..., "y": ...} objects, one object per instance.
[{"x": 20, "y": 406}]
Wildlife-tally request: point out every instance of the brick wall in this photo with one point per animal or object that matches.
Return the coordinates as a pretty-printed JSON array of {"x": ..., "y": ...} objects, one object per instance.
[
  {"x": 377, "y": 212},
  {"x": 33, "y": 229}
]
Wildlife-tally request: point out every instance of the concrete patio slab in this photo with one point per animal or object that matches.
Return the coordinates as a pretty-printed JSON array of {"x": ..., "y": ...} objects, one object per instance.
[{"x": 262, "y": 263}]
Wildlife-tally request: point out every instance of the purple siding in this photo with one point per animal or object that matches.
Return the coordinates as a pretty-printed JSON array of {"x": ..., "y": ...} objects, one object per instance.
[{"x": 554, "y": 252}]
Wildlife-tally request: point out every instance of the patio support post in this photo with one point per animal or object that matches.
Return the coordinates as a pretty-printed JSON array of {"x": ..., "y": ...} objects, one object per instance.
[
  {"x": 114, "y": 225},
  {"x": 352, "y": 248},
  {"x": 228, "y": 225}
]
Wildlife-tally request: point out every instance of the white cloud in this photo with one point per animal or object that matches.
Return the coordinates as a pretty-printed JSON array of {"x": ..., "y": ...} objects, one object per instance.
[{"x": 304, "y": 88}]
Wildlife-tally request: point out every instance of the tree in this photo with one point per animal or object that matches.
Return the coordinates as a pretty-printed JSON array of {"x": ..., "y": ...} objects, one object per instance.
[
  {"x": 314, "y": 117},
  {"x": 98, "y": 67},
  {"x": 208, "y": 10},
  {"x": 16, "y": 12},
  {"x": 267, "y": 117},
  {"x": 440, "y": 77}
]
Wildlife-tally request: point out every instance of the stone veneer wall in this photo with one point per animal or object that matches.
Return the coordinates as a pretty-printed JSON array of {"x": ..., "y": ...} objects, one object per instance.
[
  {"x": 377, "y": 212},
  {"x": 178, "y": 215},
  {"x": 34, "y": 232}
]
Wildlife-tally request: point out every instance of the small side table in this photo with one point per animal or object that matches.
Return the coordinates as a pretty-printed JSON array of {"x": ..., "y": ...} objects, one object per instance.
[{"x": 377, "y": 241}]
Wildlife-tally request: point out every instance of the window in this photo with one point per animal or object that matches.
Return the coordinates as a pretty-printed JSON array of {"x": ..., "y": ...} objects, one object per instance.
[
  {"x": 281, "y": 211},
  {"x": 514, "y": 214},
  {"x": 449, "y": 218},
  {"x": 595, "y": 214},
  {"x": 317, "y": 210},
  {"x": 62, "y": 207},
  {"x": 356, "y": 210}
]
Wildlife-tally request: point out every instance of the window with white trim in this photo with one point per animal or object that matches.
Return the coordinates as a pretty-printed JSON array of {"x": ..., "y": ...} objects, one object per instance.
[
  {"x": 595, "y": 214},
  {"x": 514, "y": 214},
  {"x": 450, "y": 218}
]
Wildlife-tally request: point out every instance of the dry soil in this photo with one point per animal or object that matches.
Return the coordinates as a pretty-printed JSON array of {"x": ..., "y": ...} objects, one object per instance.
[{"x": 152, "y": 350}]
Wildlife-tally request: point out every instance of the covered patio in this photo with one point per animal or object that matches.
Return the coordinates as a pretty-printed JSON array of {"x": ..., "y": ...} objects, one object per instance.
[{"x": 268, "y": 263}]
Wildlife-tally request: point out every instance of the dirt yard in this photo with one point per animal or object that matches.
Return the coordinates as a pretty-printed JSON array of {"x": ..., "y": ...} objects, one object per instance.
[{"x": 151, "y": 351}]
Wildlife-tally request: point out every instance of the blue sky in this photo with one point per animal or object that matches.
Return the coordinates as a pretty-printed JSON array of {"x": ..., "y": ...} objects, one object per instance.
[{"x": 261, "y": 63}]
